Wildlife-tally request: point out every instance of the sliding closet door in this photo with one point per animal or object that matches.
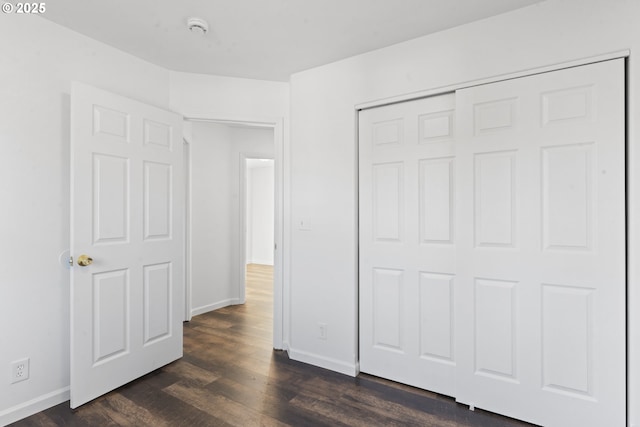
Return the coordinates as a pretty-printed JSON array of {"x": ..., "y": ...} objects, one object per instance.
[
  {"x": 492, "y": 250},
  {"x": 407, "y": 243},
  {"x": 540, "y": 272}
]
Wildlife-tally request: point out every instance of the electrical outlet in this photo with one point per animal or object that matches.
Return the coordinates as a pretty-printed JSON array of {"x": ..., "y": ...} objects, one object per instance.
[
  {"x": 20, "y": 370},
  {"x": 322, "y": 331}
]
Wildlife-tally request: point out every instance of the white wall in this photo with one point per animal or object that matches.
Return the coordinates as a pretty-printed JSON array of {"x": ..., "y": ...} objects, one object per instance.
[
  {"x": 200, "y": 95},
  {"x": 260, "y": 213},
  {"x": 38, "y": 62},
  {"x": 324, "y": 154},
  {"x": 216, "y": 223},
  {"x": 211, "y": 235}
]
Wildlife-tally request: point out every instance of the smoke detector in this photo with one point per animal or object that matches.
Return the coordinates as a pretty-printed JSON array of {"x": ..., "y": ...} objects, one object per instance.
[{"x": 198, "y": 26}]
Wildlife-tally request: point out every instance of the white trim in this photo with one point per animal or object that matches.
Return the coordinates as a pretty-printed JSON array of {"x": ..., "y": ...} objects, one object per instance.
[
  {"x": 633, "y": 247},
  {"x": 233, "y": 119},
  {"x": 281, "y": 319},
  {"x": 356, "y": 219},
  {"x": 324, "y": 362},
  {"x": 509, "y": 76},
  {"x": 187, "y": 230},
  {"x": 216, "y": 305},
  {"x": 33, "y": 406}
]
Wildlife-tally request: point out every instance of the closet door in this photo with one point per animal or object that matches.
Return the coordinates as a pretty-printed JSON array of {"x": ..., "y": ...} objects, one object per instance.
[
  {"x": 407, "y": 243},
  {"x": 540, "y": 271}
]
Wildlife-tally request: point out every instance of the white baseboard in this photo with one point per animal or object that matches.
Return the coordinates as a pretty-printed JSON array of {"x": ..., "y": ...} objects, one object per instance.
[
  {"x": 324, "y": 362},
  {"x": 33, "y": 406},
  {"x": 220, "y": 304}
]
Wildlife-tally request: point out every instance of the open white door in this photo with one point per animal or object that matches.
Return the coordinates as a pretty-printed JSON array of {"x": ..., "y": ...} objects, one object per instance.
[{"x": 126, "y": 215}]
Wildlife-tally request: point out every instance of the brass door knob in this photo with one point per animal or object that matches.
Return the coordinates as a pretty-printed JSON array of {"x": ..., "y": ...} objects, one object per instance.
[{"x": 84, "y": 260}]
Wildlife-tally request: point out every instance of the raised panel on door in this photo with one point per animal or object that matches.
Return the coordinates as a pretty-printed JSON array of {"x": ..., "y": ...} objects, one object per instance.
[
  {"x": 110, "y": 125},
  {"x": 387, "y": 133},
  {"x": 388, "y": 202},
  {"x": 495, "y": 196},
  {"x": 127, "y": 215},
  {"x": 568, "y": 196},
  {"x": 437, "y": 310},
  {"x": 567, "y": 104},
  {"x": 495, "y": 115},
  {"x": 158, "y": 283},
  {"x": 407, "y": 248},
  {"x": 495, "y": 337},
  {"x": 388, "y": 308},
  {"x": 111, "y": 318},
  {"x": 157, "y": 200},
  {"x": 436, "y": 200},
  {"x": 158, "y": 135},
  {"x": 540, "y": 219},
  {"x": 110, "y": 178},
  {"x": 567, "y": 340},
  {"x": 436, "y": 127}
]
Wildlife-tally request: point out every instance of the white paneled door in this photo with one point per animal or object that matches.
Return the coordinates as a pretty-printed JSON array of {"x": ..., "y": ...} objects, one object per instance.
[
  {"x": 530, "y": 298},
  {"x": 541, "y": 254},
  {"x": 407, "y": 243},
  {"x": 127, "y": 229}
]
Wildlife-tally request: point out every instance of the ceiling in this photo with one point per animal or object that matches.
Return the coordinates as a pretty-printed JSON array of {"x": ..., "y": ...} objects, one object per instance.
[{"x": 263, "y": 39}]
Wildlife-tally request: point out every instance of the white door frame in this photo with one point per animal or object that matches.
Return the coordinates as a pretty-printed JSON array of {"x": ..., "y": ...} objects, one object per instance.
[
  {"x": 280, "y": 312},
  {"x": 186, "y": 146}
]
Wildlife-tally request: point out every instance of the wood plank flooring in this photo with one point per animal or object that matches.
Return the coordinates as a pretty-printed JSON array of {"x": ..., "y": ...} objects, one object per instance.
[{"x": 230, "y": 376}]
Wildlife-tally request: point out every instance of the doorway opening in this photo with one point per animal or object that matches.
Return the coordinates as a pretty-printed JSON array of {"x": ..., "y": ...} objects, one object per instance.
[
  {"x": 259, "y": 218},
  {"x": 222, "y": 228}
]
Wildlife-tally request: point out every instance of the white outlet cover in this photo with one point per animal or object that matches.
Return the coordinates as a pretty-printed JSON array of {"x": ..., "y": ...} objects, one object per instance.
[
  {"x": 19, "y": 370},
  {"x": 322, "y": 331}
]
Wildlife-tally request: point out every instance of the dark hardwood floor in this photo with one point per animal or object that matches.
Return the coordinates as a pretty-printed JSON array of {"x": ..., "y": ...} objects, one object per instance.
[{"x": 230, "y": 376}]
